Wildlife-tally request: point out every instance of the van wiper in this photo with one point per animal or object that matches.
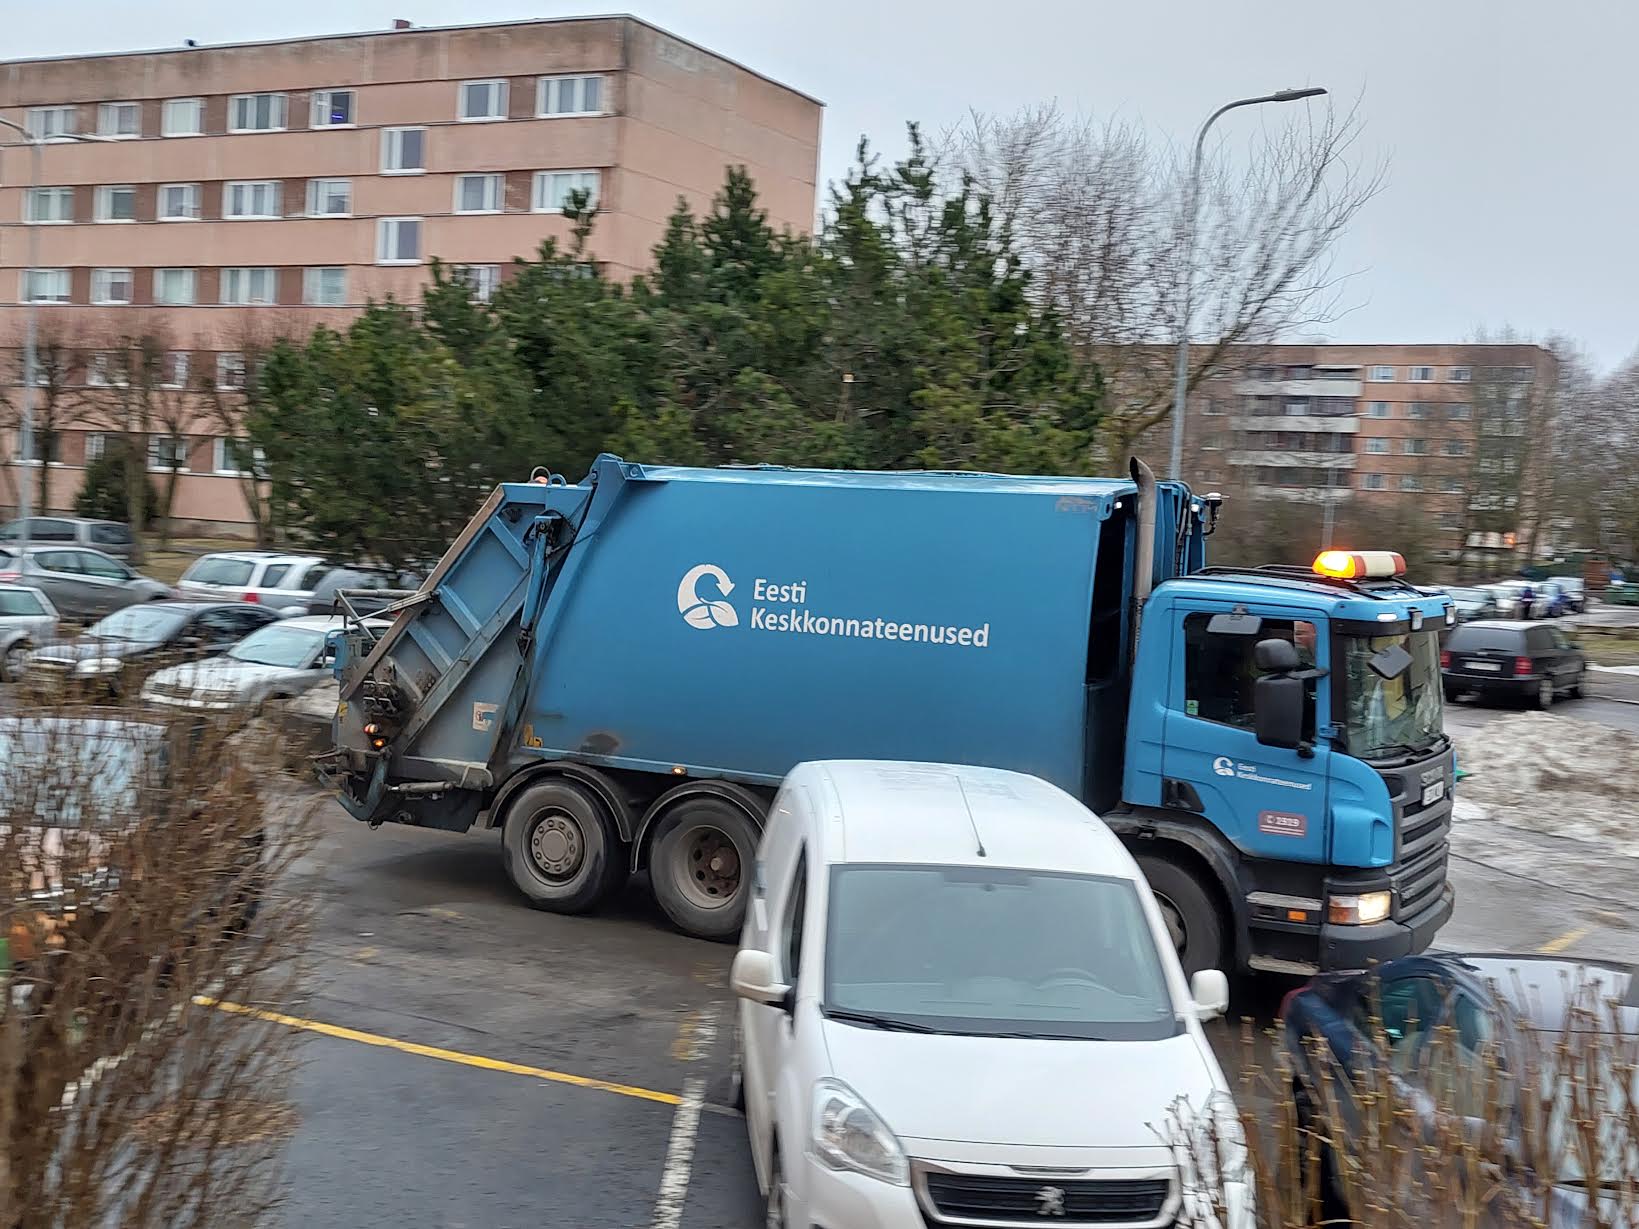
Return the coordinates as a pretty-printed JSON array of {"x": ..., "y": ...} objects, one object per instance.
[{"x": 890, "y": 1024}]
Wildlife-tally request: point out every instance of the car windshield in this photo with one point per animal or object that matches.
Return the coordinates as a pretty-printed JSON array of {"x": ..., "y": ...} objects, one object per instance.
[
  {"x": 1397, "y": 716},
  {"x": 220, "y": 572},
  {"x": 69, "y": 775},
  {"x": 280, "y": 645},
  {"x": 992, "y": 951},
  {"x": 19, "y": 602},
  {"x": 149, "y": 624}
]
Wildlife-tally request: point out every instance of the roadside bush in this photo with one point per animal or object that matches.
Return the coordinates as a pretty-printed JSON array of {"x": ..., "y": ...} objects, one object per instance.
[
  {"x": 142, "y": 908},
  {"x": 104, "y": 493}
]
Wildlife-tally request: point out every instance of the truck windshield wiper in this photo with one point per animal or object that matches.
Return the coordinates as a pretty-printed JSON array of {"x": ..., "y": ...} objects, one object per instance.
[{"x": 891, "y": 1024}]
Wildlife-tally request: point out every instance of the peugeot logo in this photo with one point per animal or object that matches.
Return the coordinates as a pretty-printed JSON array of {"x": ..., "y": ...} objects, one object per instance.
[{"x": 1050, "y": 1201}]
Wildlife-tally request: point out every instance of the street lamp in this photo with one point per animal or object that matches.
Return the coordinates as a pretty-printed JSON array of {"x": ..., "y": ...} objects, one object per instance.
[
  {"x": 1181, "y": 376},
  {"x": 31, "y": 322}
]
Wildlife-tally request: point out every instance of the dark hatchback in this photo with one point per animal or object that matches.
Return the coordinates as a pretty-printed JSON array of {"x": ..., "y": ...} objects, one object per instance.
[
  {"x": 1500, "y": 657},
  {"x": 130, "y": 644}
]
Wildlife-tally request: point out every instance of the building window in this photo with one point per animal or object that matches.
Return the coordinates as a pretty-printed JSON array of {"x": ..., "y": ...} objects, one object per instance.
[
  {"x": 403, "y": 151},
  {"x": 117, "y": 203},
  {"x": 482, "y": 100},
  {"x": 104, "y": 370},
  {"x": 174, "y": 287},
  {"x": 479, "y": 193},
  {"x": 552, "y": 189},
  {"x": 96, "y": 445},
  {"x": 167, "y": 452},
  {"x": 256, "y": 113},
  {"x": 230, "y": 371},
  {"x": 1378, "y": 409},
  {"x": 49, "y": 205},
  {"x": 329, "y": 198},
  {"x": 398, "y": 241},
  {"x": 111, "y": 287},
  {"x": 1381, "y": 375},
  {"x": 1411, "y": 482},
  {"x": 247, "y": 287},
  {"x": 1459, "y": 375},
  {"x": 1459, "y": 410},
  {"x": 1418, "y": 409},
  {"x": 179, "y": 202},
  {"x": 51, "y": 123},
  {"x": 120, "y": 120},
  {"x": 182, "y": 117},
  {"x": 1371, "y": 482},
  {"x": 1421, "y": 375},
  {"x": 1456, "y": 448},
  {"x": 174, "y": 367},
  {"x": 1414, "y": 447},
  {"x": 1451, "y": 486},
  {"x": 1377, "y": 444},
  {"x": 230, "y": 456},
  {"x": 37, "y": 445},
  {"x": 324, "y": 287},
  {"x": 46, "y": 286},
  {"x": 481, "y": 280},
  {"x": 251, "y": 198},
  {"x": 333, "y": 109},
  {"x": 569, "y": 96}
]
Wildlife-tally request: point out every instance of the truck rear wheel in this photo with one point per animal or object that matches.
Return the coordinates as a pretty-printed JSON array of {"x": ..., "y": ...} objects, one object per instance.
[
  {"x": 1190, "y": 911},
  {"x": 560, "y": 848},
  {"x": 700, "y": 866}
]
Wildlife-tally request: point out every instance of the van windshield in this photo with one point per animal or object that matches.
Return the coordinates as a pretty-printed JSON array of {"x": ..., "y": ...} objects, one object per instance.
[{"x": 993, "y": 951}]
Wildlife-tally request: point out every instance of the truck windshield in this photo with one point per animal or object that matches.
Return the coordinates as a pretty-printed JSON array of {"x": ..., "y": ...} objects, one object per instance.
[
  {"x": 1398, "y": 716},
  {"x": 993, "y": 951}
]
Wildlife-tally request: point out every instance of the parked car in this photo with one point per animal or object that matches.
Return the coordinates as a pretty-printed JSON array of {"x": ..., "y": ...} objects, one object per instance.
[
  {"x": 1501, "y": 657},
  {"x": 368, "y": 590},
  {"x": 27, "y": 618},
  {"x": 81, "y": 583},
  {"x": 281, "y": 660},
  {"x": 129, "y": 644},
  {"x": 265, "y": 578},
  {"x": 941, "y": 970},
  {"x": 110, "y": 537},
  {"x": 1473, "y": 602},
  {"x": 1555, "y": 598},
  {"x": 1576, "y": 591},
  {"x": 1503, "y": 1013}
]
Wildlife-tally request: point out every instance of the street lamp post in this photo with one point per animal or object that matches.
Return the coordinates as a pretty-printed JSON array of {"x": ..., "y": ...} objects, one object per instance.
[{"x": 1180, "y": 386}]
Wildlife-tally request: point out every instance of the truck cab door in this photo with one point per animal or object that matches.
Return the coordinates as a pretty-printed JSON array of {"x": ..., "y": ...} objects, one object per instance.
[{"x": 1270, "y": 802}]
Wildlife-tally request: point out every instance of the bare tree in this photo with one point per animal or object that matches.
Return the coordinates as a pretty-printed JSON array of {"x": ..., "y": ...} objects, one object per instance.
[
  {"x": 59, "y": 373},
  {"x": 1099, "y": 210},
  {"x": 226, "y": 388}
]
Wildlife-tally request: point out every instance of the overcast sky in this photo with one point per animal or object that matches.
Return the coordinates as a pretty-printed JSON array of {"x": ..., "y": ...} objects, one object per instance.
[{"x": 1508, "y": 126}]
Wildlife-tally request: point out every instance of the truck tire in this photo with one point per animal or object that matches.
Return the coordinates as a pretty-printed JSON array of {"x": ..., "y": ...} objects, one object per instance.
[
  {"x": 700, "y": 866},
  {"x": 1191, "y": 912},
  {"x": 561, "y": 849}
]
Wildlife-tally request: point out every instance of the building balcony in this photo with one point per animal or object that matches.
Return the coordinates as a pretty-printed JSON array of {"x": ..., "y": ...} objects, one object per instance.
[
  {"x": 1299, "y": 388},
  {"x": 1348, "y": 425},
  {"x": 1303, "y": 494},
  {"x": 1295, "y": 460}
]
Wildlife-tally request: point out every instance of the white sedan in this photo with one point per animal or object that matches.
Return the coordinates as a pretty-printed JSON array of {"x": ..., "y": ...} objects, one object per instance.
[
  {"x": 281, "y": 660},
  {"x": 960, "y": 1006}
]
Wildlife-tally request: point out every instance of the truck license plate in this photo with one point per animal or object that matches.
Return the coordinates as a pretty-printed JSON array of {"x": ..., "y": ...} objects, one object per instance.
[
  {"x": 1433, "y": 793},
  {"x": 1491, "y": 666}
]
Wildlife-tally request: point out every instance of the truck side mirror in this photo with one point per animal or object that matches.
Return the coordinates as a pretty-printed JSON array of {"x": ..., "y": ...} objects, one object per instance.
[
  {"x": 1279, "y": 701},
  {"x": 1275, "y": 656}
]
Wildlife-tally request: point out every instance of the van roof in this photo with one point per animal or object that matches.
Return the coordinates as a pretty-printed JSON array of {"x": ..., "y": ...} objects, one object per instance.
[{"x": 894, "y": 811}]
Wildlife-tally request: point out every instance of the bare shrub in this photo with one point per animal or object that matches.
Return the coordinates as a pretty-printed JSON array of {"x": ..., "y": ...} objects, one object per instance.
[{"x": 141, "y": 862}]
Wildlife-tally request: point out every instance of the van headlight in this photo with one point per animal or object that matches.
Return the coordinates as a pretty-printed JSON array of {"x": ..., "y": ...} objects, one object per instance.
[
  {"x": 97, "y": 665},
  {"x": 1361, "y": 910},
  {"x": 848, "y": 1134}
]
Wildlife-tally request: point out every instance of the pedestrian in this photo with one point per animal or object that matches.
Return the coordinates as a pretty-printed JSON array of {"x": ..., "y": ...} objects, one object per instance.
[{"x": 1527, "y": 598}]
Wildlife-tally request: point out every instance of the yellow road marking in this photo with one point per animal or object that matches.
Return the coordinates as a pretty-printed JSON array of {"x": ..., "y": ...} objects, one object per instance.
[
  {"x": 448, "y": 1056},
  {"x": 1565, "y": 940}
]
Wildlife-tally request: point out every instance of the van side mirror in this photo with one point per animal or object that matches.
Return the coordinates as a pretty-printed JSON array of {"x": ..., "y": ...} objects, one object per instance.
[
  {"x": 1275, "y": 656},
  {"x": 1278, "y": 703},
  {"x": 752, "y": 977},
  {"x": 1210, "y": 990}
]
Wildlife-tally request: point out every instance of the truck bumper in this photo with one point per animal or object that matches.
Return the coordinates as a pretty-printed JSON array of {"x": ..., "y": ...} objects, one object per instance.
[{"x": 1360, "y": 947}]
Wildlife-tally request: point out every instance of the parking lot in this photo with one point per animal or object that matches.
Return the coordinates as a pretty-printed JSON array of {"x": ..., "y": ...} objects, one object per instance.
[{"x": 471, "y": 1062}]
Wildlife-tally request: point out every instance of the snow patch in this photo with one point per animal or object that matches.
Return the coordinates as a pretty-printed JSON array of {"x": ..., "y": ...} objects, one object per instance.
[
  {"x": 1553, "y": 775},
  {"x": 1634, "y": 670}
]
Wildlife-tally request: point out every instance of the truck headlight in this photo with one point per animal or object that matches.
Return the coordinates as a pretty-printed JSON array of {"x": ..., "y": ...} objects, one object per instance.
[
  {"x": 1361, "y": 910},
  {"x": 847, "y": 1134}
]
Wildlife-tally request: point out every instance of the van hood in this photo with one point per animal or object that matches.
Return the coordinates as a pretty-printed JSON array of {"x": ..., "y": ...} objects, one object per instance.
[{"x": 1040, "y": 1094}]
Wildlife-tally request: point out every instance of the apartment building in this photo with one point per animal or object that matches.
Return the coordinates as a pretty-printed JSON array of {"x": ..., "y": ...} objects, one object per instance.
[
  {"x": 1453, "y": 434},
  {"x": 237, "y": 193}
]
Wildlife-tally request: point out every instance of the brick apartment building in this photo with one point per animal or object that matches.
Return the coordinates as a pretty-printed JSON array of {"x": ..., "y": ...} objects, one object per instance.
[
  {"x": 1443, "y": 432},
  {"x": 249, "y": 191}
]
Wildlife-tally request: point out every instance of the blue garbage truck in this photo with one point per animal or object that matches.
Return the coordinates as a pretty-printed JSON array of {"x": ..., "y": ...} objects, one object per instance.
[{"x": 618, "y": 673}]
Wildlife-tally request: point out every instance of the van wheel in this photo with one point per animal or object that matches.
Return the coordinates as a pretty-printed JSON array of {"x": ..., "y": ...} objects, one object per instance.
[
  {"x": 774, "y": 1215},
  {"x": 561, "y": 848},
  {"x": 1190, "y": 911},
  {"x": 700, "y": 865}
]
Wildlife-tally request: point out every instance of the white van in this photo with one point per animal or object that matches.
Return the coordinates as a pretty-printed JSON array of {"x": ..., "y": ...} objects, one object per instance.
[{"x": 960, "y": 1006}]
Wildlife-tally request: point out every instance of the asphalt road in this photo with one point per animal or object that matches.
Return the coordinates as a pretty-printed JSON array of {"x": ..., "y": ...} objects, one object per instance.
[{"x": 496, "y": 1066}]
